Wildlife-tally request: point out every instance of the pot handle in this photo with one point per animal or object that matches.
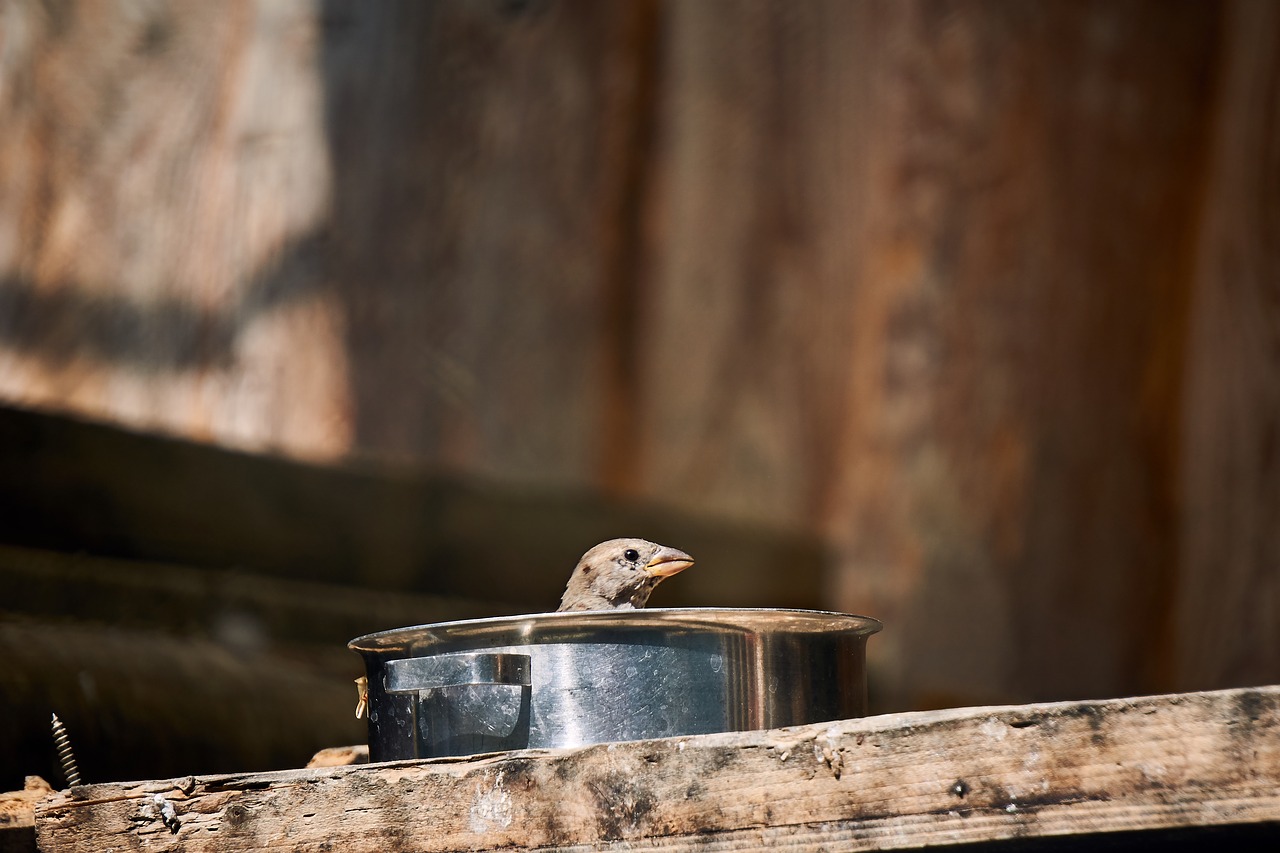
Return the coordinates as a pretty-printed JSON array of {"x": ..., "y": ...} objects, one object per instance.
[
  {"x": 465, "y": 703},
  {"x": 409, "y": 675}
]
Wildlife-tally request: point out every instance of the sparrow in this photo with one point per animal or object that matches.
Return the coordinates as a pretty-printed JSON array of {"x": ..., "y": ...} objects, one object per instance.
[{"x": 620, "y": 574}]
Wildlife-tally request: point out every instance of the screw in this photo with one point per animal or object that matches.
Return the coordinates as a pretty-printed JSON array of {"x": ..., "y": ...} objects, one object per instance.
[{"x": 65, "y": 755}]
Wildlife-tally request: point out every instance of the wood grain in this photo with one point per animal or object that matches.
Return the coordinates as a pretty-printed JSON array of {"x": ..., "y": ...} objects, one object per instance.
[
  {"x": 1230, "y": 524},
  {"x": 18, "y": 816},
  {"x": 903, "y": 279},
  {"x": 906, "y": 780},
  {"x": 170, "y": 172},
  {"x": 479, "y": 151},
  {"x": 75, "y": 486}
]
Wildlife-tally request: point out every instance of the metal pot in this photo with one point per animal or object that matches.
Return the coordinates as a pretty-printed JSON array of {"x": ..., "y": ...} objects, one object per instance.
[{"x": 568, "y": 679}]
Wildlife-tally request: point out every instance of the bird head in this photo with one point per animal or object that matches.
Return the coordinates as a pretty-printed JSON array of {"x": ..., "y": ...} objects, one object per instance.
[{"x": 620, "y": 574}]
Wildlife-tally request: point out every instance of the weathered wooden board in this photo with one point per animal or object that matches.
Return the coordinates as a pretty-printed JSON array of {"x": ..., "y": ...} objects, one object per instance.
[
  {"x": 75, "y": 486},
  {"x": 169, "y": 169},
  {"x": 18, "y": 816},
  {"x": 1006, "y": 467},
  {"x": 1230, "y": 454},
  {"x": 903, "y": 780}
]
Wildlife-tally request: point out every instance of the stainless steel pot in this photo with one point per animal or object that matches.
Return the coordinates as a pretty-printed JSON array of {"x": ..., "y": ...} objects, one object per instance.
[{"x": 568, "y": 679}]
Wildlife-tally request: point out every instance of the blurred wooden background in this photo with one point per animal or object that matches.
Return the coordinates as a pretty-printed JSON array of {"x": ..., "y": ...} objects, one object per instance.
[{"x": 963, "y": 315}]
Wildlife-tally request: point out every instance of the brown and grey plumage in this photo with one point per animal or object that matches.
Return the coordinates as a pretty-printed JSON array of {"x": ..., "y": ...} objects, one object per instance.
[{"x": 620, "y": 574}]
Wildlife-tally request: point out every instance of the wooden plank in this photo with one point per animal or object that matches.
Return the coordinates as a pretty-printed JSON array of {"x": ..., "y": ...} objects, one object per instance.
[
  {"x": 912, "y": 244},
  {"x": 162, "y": 268},
  {"x": 269, "y": 226},
  {"x": 18, "y": 816},
  {"x": 475, "y": 223},
  {"x": 898, "y": 781},
  {"x": 76, "y": 486},
  {"x": 1227, "y": 595}
]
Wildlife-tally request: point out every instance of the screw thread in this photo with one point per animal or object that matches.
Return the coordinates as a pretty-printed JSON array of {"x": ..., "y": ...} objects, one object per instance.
[{"x": 68, "y": 759}]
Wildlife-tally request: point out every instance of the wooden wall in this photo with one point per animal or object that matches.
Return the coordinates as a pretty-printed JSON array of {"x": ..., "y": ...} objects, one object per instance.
[
  {"x": 1226, "y": 601},
  {"x": 980, "y": 296}
]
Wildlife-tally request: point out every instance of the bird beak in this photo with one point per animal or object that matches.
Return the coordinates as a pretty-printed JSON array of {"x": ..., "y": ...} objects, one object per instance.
[{"x": 668, "y": 562}]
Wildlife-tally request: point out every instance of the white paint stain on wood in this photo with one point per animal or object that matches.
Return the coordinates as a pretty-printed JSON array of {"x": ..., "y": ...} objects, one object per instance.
[{"x": 491, "y": 808}]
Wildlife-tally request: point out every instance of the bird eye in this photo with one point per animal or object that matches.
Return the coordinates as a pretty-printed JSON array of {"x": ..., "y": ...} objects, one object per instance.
[{"x": 631, "y": 555}]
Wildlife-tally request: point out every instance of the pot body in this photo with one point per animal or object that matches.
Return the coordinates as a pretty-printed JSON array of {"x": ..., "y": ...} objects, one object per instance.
[{"x": 569, "y": 679}]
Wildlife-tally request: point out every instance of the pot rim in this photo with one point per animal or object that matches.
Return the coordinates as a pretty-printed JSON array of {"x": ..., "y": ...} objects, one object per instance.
[{"x": 533, "y": 628}]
